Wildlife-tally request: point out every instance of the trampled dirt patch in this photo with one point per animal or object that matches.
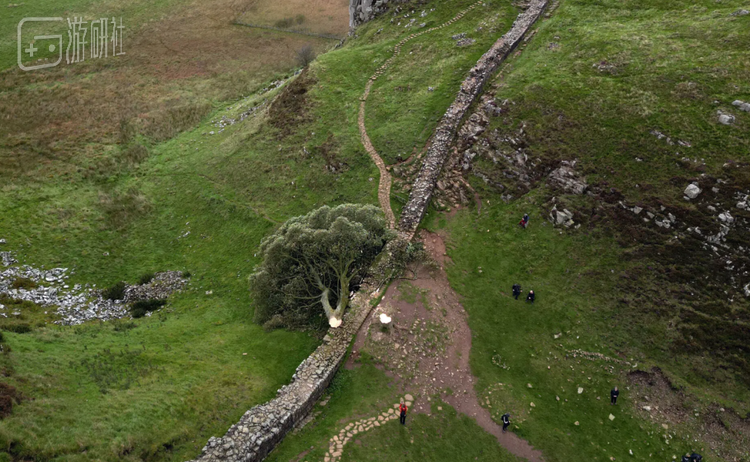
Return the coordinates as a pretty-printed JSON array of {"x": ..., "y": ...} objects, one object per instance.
[{"x": 428, "y": 343}]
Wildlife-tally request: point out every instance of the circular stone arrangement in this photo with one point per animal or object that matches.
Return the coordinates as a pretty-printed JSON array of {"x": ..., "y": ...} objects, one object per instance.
[{"x": 337, "y": 443}]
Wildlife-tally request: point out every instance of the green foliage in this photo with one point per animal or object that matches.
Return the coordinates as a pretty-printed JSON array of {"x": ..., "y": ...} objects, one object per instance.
[
  {"x": 114, "y": 292},
  {"x": 145, "y": 278},
  {"x": 23, "y": 283},
  {"x": 141, "y": 307},
  {"x": 326, "y": 251},
  {"x": 19, "y": 327}
]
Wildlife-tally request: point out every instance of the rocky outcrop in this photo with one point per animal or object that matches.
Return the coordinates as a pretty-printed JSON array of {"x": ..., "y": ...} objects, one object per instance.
[
  {"x": 361, "y": 11},
  {"x": 261, "y": 428},
  {"x": 567, "y": 179},
  {"x": 444, "y": 135}
]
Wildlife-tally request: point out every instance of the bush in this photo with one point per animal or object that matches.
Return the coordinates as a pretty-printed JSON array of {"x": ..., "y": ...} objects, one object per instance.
[
  {"x": 23, "y": 283},
  {"x": 146, "y": 278},
  {"x": 17, "y": 327},
  {"x": 186, "y": 274},
  {"x": 141, "y": 307},
  {"x": 300, "y": 18},
  {"x": 284, "y": 23},
  {"x": 115, "y": 292},
  {"x": 305, "y": 55}
]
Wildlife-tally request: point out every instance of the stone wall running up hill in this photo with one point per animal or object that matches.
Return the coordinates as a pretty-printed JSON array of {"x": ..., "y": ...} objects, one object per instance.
[
  {"x": 261, "y": 428},
  {"x": 437, "y": 154}
]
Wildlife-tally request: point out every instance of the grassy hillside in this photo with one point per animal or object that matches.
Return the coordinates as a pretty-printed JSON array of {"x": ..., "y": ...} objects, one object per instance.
[{"x": 106, "y": 166}]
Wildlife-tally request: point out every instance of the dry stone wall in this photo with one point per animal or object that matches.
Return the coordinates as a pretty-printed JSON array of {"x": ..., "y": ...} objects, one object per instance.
[
  {"x": 437, "y": 154},
  {"x": 261, "y": 428}
]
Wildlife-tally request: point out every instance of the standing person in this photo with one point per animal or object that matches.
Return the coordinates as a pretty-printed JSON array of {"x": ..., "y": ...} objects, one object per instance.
[
  {"x": 531, "y": 297},
  {"x": 506, "y": 421},
  {"x": 613, "y": 395},
  {"x": 402, "y": 409},
  {"x": 524, "y": 221},
  {"x": 516, "y": 290}
]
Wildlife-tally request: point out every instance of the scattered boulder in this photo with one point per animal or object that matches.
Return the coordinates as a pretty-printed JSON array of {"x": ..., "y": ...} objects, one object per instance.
[
  {"x": 741, "y": 12},
  {"x": 742, "y": 105},
  {"x": 562, "y": 217},
  {"x": 692, "y": 191},
  {"x": 726, "y": 119},
  {"x": 747, "y": 290},
  {"x": 567, "y": 179}
]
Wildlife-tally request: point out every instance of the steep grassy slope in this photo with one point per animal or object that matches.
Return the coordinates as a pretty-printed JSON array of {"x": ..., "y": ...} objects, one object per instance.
[{"x": 632, "y": 92}]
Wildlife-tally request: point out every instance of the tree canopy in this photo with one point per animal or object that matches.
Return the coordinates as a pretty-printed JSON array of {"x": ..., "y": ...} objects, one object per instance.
[{"x": 313, "y": 261}]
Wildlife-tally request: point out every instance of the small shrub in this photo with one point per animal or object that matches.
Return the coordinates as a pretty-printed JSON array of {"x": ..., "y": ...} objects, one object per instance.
[
  {"x": 305, "y": 55},
  {"x": 186, "y": 274},
  {"x": 2, "y": 339},
  {"x": 115, "y": 292},
  {"x": 141, "y": 307},
  {"x": 120, "y": 326},
  {"x": 146, "y": 278},
  {"x": 8, "y": 395},
  {"x": 17, "y": 327},
  {"x": 23, "y": 283},
  {"x": 284, "y": 23},
  {"x": 300, "y": 18}
]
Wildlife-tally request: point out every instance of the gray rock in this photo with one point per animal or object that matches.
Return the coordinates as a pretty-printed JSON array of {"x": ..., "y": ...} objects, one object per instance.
[
  {"x": 562, "y": 217},
  {"x": 692, "y": 191},
  {"x": 742, "y": 12},
  {"x": 747, "y": 290},
  {"x": 726, "y": 119},
  {"x": 742, "y": 105},
  {"x": 567, "y": 179}
]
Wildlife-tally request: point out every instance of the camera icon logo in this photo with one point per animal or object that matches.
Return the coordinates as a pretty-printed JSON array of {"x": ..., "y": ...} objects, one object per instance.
[{"x": 50, "y": 43}]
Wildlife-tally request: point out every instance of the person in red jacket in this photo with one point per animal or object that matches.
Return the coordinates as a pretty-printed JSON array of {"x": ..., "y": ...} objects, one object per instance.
[{"x": 402, "y": 409}]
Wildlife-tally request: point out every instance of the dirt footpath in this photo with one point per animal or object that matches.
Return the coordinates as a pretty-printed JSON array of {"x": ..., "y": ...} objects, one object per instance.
[{"x": 427, "y": 346}]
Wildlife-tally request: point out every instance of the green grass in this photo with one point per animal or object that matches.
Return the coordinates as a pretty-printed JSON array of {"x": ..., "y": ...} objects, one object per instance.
[
  {"x": 364, "y": 392},
  {"x": 158, "y": 390}
]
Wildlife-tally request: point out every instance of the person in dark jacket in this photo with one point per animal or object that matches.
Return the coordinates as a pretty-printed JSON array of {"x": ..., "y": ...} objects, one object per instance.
[
  {"x": 531, "y": 297},
  {"x": 696, "y": 457},
  {"x": 516, "y": 290},
  {"x": 402, "y": 410},
  {"x": 506, "y": 421},
  {"x": 613, "y": 395}
]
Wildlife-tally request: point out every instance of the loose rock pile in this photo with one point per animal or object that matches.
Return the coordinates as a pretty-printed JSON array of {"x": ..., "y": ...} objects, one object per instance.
[{"x": 78, "y": 304}]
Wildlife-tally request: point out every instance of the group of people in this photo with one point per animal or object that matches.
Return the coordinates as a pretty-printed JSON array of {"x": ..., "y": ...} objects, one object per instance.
[
  {"x": 517, "y": 292},
  {"x": 613, "y": 394},
  {"x": 692, "y": 458}
]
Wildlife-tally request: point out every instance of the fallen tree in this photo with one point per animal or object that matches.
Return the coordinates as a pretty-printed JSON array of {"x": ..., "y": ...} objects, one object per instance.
[{"x": 314, "y": 261}]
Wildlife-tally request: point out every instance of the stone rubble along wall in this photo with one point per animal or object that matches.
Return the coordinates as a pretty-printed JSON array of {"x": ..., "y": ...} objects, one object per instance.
[
  {"x": 261, "y": 428},
  {"x": 445, "y": 132}
]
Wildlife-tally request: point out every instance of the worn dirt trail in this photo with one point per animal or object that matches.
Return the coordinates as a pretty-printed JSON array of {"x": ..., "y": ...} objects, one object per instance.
[
  {"x": 384, "y": 186},
  {"x": 428, "y": 346}
]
